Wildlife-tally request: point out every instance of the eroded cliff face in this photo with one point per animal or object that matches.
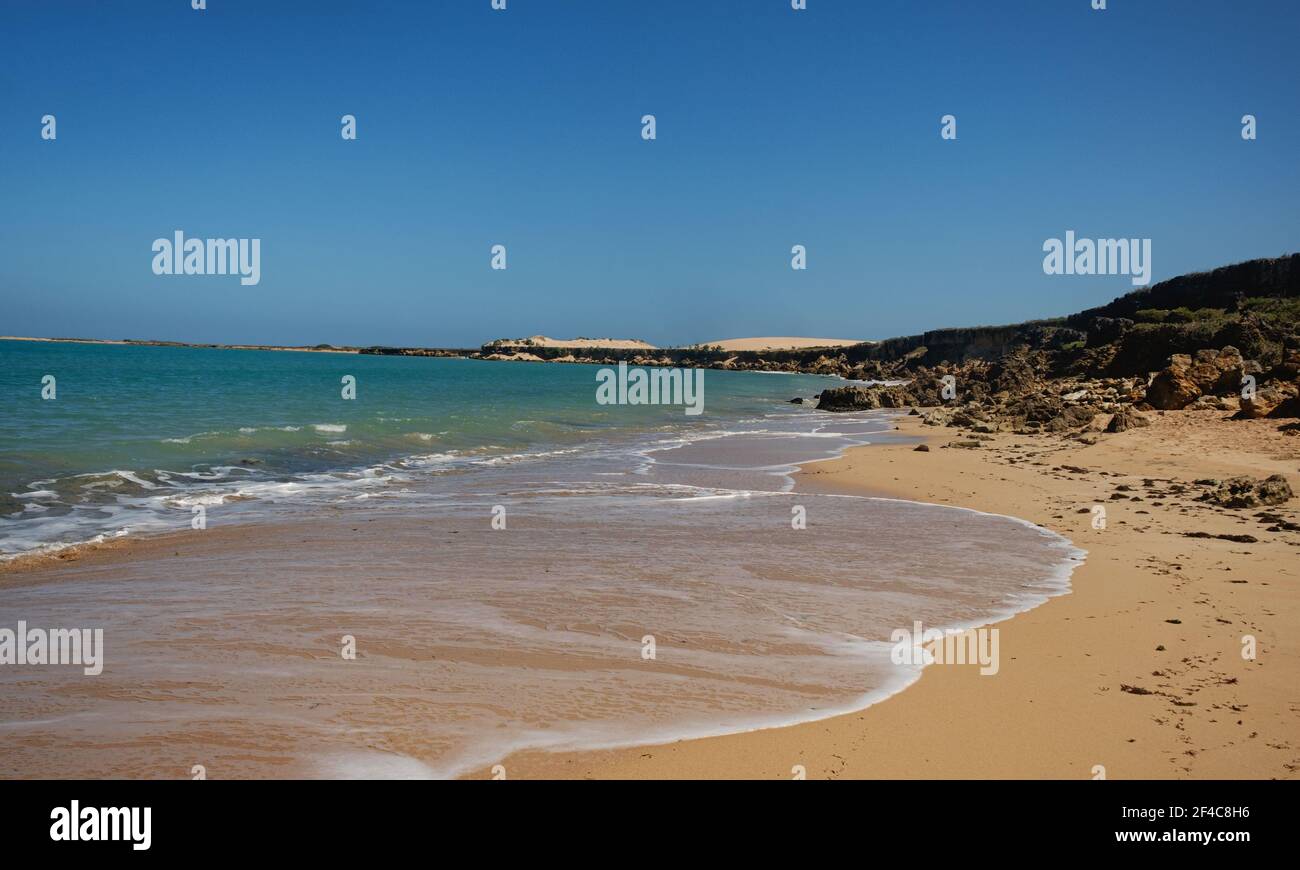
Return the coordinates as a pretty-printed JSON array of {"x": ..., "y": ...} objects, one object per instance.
[
  {"x": 975, "y": 342},
  {"x": 1220, "y": 288}
]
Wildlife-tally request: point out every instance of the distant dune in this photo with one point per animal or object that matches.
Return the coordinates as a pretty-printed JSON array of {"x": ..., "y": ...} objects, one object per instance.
[{"x": 778, "y": 342}]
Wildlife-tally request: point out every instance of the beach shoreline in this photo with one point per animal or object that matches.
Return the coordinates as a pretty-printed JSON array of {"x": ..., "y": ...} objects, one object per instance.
[
  {"x": 1100, "y": 678},
  {"x": 1100, "y": 683}
]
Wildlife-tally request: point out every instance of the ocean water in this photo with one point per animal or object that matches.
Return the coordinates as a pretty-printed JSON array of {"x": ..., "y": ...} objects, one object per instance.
[
  {"x": 649, "y": 583},
  {"x": 137, "y": 436}
]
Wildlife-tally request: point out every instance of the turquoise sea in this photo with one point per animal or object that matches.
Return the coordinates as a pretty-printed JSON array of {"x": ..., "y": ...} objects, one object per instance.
[
  {"x": 137, "y": 433},
  {"x": 653, "y": 576}
]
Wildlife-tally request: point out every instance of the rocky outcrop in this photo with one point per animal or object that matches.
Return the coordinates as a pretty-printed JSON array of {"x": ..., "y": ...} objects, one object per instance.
[
  {"x": 513, "y": 357},
  {"x": 1188, "y": 377},
  {"x": 1246, "y": 492},
  {"x": 864, "y": 398},
  {"x": 1213, "y": 403},
  {"x": 1126, "y": 418},
  {"x": 1173, "y": 387},
  {"x": 1072, "y": 417},
  {"x": 1288, "y": 408},
  {"x": 1270, "y": 400}
]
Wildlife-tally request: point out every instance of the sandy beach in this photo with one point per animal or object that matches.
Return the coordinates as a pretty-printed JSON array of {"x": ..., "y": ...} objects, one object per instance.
[{"x": 1138, "y": 671}]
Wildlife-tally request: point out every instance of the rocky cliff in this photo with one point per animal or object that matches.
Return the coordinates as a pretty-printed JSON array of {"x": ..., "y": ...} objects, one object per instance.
[{"x": 1226, "y": 340}]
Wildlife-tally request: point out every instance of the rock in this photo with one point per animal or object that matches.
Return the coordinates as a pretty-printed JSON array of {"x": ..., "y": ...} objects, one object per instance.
[
  {"x": 1267, "y": 400},
  {"x": 1231, "y": 368},
  {"x": 1037, "y": 409},
  {"x": 1286, "y": 408},
  {"x": 1246, "y": 492},
  {"x": 968, "y": 416},
  {"x": 921, "y": 448},
  {"x": 1015, "y": 373},
  {"x": 865, "y": 398},
  {"x": 1274, "y": 490},
  {"x": 1073, "y": 417},
  {"x": 797, "y": 400},
  {"x": 825, "y": 365},
  {"x": 1289, "y": 368},
  {"x": 1210, "y": 403},
  {"x": 936, "y": 417},
  {"x": 1209, "y": 372},
  {"x": 1125, "y": 419},
  {"x": 1173, "y": 387},
  {"x": 514, "y": 357},
  {"x": 1105, "y": 330}
]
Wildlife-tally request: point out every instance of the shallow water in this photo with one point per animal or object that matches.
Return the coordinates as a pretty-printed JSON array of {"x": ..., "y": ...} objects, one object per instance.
[
  {"x": 136, "y": 437},
  {"x": 223, "y": 648}
]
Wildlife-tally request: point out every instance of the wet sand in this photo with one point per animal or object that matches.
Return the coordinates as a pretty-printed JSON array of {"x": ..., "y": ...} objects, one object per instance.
[
  {"x": 225, "y": 647},
  {"x": 1151, "y": 610}
]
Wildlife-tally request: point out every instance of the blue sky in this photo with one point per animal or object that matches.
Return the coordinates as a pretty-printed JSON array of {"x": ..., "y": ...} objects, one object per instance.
[{"x": 522, "y": 127}]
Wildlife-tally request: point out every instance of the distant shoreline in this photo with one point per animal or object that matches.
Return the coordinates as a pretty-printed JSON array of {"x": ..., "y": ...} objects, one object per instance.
[
  {"x": 135, "y": 342},
  {"x": 804, "y": 355}
]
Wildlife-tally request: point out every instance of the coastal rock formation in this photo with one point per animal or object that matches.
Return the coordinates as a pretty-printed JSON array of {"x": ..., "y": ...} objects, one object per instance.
[
  {"x": 1173, "y": 388},
  {"x": 1072, "y": 417},
  {"x": 1126, "y": 418},
  {"x": 1289, "y": 408},
  {"x": 514, "y": 357},
  {"x": 1246, "y": 492},
  {"x": 1194, "y": 343},
  {"x": 864, "y": 398},
  {"x": 1187, "y": 377},
  {"x": 1270, "y": 400}
]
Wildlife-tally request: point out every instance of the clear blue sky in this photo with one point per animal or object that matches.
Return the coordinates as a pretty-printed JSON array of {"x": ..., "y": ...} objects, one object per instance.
[{"x": 522, "y": 127}]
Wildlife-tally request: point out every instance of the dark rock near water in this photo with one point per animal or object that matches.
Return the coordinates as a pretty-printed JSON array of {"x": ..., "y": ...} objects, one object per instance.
[{"x": 864, "y": 398}]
